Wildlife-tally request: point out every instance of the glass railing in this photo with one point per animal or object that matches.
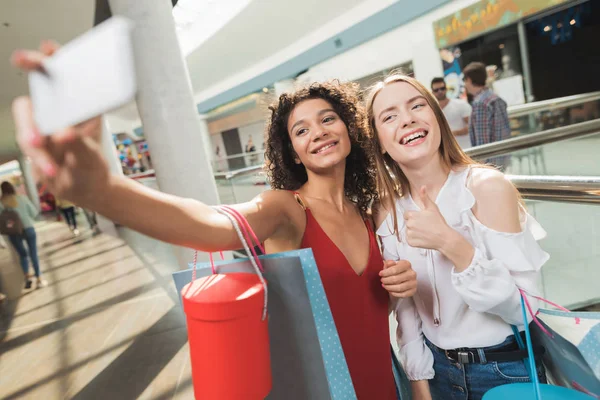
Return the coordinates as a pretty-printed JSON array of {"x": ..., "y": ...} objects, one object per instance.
[
  {"x": 571, "y": 275},
  {"x": 241, "y": 187},
  {"x": 569, "y": 150},
  {"x": 238, "y": 161},
  {"x": 576, "y": 156},
  {"x": 548, "y": 114}
]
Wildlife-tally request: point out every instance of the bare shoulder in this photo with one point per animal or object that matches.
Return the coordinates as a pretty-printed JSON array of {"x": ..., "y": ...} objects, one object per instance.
[
  {"x": 280, "y": 202},
  {"x": 496, "y": 200},
  {"x": 491, "y": 184}
]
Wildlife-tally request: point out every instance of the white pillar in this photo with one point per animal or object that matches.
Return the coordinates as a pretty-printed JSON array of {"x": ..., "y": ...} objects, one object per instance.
[
  {"x": 114, "y": 165},
  {"x": 29, "y": 181},
  {"x": 205, "y": 134},
  {"x": 166, "y": 105}
]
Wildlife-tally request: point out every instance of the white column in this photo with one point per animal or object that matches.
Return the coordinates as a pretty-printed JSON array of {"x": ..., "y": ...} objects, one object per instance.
[
  {"x": 205, "y": 134},
  {"x": 166, "y": 105},
  {"x": 114, "y": 165},
  {"x": 29, "y": 181}
]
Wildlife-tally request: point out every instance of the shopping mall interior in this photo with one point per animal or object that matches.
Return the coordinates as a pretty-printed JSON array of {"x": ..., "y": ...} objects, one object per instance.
[{"x": 108, "y": 323}]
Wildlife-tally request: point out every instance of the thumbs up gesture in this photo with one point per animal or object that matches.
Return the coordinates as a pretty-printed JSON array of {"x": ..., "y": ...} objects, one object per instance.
[{"x": 426, "y": 229}]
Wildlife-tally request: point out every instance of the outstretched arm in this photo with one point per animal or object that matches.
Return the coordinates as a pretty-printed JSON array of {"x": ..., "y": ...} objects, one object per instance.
[{"x": 70, "y": 162}]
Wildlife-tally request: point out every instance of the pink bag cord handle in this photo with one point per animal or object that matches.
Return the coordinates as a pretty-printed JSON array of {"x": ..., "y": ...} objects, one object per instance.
[
  {"x": 534, "y": 316},
  {"x": 245, "y": 226},
  {"x": 236, "y": 220}
]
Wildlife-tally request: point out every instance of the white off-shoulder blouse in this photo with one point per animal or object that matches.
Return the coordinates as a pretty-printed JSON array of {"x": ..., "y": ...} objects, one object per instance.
[{"x": 473, "y": 308}]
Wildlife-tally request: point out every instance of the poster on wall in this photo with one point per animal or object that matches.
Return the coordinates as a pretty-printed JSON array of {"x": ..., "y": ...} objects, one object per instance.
[{"x": 453, "y": 72}]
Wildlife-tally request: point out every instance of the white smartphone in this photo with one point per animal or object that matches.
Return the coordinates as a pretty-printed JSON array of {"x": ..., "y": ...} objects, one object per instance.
[{"x": 89, "y": 76}]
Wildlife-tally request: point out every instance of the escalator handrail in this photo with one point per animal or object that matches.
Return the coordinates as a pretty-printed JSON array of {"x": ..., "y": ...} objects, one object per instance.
[
  {"x": 551, "y": 104},
  {"x": 535, "y": 139},
  {"x": 564, "y": 189}
]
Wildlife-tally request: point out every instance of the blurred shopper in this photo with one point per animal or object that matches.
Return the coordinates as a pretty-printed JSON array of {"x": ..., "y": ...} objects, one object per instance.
[
  {"x": 18, "y": 217},
  {"x": 68, "y": 210},
  {"x": 92, "y": 220},
  {"x": 489, "y": 119},
  {"x": 457, "y": 112}
]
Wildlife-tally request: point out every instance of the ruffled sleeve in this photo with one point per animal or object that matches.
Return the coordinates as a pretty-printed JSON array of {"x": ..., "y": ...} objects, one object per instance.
[
  {"x": 416, "y": 358},
  {"x": 503, "y": 263}
]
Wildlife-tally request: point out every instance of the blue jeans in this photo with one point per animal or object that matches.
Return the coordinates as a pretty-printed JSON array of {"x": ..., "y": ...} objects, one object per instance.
[
  {"x": 455, "y": 381},
  {"x": 28, "y": 236}
]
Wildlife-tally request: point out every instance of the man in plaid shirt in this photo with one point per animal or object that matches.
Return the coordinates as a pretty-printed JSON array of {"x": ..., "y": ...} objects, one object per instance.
[{"x": 489, "y": 119}]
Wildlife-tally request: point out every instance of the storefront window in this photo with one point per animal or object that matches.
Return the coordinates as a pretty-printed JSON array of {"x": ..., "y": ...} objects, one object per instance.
[{"x": 563, "y": 51}]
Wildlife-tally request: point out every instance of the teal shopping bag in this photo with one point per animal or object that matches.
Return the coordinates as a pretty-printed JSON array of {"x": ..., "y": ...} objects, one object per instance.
[
  {"x": 572, "y": 342},
  {"x": 533, "y": 390}
]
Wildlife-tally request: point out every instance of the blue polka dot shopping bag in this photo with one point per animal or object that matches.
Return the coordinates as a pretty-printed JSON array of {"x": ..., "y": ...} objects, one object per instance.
[
  {"x": 307, "y": 360},
  {"x": 572, "y": 357}
]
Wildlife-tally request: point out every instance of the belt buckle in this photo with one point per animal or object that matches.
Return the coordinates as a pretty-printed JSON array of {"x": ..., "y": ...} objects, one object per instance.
[
  {"x": 465, "y": 357},
  {"x": 461, "y": 357}
]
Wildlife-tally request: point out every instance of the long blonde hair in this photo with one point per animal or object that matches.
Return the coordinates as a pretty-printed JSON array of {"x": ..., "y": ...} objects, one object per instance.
[{"x": 392, "y": 183}]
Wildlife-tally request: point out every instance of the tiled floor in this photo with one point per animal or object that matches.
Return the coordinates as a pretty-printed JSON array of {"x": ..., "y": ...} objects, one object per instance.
[{"x": 107, "y": 326}]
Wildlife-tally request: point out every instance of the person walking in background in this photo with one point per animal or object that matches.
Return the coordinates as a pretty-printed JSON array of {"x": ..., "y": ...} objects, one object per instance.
[
  {"x": 68, "y": 210},
  {"x": 457, "y": 112},
  {"x": 25, "y": 217},
  {"x": 489, "y": 119},
  {"x": 93, "y": 221},
  {"x": 251, "y": 148}
]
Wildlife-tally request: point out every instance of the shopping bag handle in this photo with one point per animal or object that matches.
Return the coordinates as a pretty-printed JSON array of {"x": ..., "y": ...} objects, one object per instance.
[
  {"x": 534, "y": 316},
  {"x": 240, "y": 225},
  {"x": 252, "y": 256},
  {"x": 245, "y": 227},
  {"x": 531, "y": 358}
]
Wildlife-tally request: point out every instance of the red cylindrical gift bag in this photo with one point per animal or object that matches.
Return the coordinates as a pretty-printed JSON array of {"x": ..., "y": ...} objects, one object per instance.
[{"x": 229, "y": 339}]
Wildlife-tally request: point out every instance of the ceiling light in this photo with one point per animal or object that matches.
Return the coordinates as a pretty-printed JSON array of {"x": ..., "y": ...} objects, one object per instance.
[
  {"x": 266, "y": 90},
  {"x": 573, "y": 22},
  {"x": 501, "y": 46},
  {"x": 547, "y": 28}
]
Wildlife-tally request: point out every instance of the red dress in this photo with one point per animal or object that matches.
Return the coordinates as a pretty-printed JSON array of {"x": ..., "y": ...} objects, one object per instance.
[{"x": 359, "y": 305}]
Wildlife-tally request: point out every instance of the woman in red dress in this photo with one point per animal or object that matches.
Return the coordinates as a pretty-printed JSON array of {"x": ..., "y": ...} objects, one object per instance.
[{"x": 319, "y": 154}]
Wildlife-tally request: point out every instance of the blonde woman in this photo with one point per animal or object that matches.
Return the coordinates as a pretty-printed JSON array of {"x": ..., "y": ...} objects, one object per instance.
[
  {"x": 462, "y": 226},
  {"x": 27, "y": 214}
]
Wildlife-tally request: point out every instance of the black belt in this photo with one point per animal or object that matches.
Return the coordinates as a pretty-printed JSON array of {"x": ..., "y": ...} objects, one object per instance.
[{"x": 471, "y": 356}]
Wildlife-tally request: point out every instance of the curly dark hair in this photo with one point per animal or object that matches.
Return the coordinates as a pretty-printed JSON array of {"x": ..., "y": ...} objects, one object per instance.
[{"x": 360, "y": 183}]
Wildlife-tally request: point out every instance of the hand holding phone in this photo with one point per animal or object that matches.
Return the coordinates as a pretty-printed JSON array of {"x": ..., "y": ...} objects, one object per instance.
[
  {"x": 87, "y": 77},
  {"x": 70, "y": 162}
]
